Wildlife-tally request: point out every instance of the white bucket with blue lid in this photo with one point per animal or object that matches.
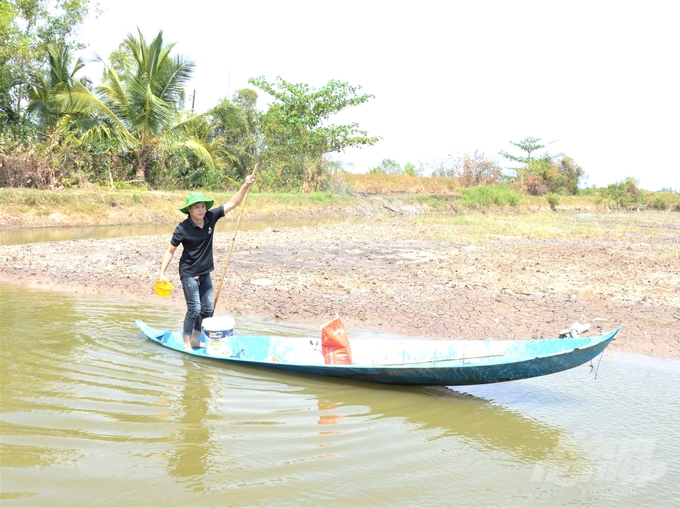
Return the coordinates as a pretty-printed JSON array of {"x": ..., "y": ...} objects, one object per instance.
[{"x": 217, "y": 331}]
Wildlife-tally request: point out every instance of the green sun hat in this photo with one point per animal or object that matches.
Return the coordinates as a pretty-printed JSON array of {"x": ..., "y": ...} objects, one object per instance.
[{"x": 196, "y": 197}]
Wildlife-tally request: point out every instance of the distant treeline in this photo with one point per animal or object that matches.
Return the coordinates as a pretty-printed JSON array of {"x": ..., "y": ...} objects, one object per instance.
[
  {"x": 133, "y": 128},
  {"x": 59, "y": 128}
]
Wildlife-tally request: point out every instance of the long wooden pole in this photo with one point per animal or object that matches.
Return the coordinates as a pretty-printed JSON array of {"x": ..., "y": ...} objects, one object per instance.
[{"x": 231, "y": 247}]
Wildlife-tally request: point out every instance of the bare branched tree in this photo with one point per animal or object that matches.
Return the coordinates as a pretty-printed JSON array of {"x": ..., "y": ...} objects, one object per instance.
[{"x": 471, "y": 169}]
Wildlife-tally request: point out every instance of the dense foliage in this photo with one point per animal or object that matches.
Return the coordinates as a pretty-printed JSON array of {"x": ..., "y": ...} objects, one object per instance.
[
  {"x": 296, "y": 134},
  {"x": 60, "y": 129},
  {"x": 27, "y": 29}
]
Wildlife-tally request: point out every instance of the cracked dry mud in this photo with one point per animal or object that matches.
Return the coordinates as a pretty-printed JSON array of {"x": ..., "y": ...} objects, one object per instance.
[{"x": 398, "y": 275}]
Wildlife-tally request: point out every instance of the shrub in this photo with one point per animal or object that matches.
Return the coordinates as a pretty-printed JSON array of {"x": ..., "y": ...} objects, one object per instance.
[
  {"x": 625, "y": 193},
  {"x": 485, "y": 195},
  {"x": 553, "y": 200},
  {"x": 388, "y": 167},
  {"x": 659, "y": 203},
  {"x": 56, "y": 162},
  {"x": 535, "y": 185}
]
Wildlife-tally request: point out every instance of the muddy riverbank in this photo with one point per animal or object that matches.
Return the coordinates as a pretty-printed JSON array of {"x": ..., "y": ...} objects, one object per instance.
[{"x": 401, "y": 275}]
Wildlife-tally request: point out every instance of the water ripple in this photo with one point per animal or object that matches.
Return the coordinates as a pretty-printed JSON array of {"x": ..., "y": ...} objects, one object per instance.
[{"x": 88, "y": 405}]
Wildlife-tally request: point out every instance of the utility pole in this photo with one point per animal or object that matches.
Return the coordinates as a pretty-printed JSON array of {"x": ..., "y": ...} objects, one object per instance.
[{"x": 193, "y": 101}]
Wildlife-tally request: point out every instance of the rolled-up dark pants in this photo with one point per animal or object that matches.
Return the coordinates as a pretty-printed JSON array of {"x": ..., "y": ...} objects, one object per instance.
[{"x": 198, "y": 292}]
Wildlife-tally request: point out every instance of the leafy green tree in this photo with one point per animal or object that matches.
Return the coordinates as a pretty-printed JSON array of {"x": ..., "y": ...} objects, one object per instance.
[
  {"x": 624, "y": 193},
  {"x": 545, "y": 173},
  {"x": 121, "y": 59},
  {"x": 559, "y": 175},
  {"x": 27, "y": 28},
  {"x": 388, "y": 167},
  {"x": 569, "y": 176},
  {"x": 411, "y": 169},
  {"x": 139, "y": 109},
  {"x": 659, "y": 203},
  {"x": 296, "y": 133},
  {"x": 8, "y": 32},
  {"x": 528, "y": 145},
  {"x": 235, "y": 132}
]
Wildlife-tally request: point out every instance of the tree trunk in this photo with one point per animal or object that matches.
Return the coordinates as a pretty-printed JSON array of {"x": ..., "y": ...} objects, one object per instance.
[{"x": 141, "y": 166}]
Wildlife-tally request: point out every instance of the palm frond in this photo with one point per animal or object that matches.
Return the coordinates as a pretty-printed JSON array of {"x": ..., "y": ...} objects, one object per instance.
[
  {"x": 201, "y": 150},
  {"x": 83, "y": 101},
  {"x": 191, "y": 125},
  {"x": 230, "y": 116},
  {"x": 113, "y": 93},
  {"x": 176, "y": 75},
  {"x": 103, "y": 134}
]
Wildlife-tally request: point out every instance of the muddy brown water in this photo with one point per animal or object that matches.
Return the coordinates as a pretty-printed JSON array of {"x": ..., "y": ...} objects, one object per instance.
[
  {"x": 93, "y": 414},
  {"x": 54, "y": 234}
]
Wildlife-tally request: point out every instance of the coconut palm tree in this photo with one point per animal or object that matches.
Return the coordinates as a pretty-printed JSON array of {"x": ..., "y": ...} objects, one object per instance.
[
  {"x": 138, "y": 107},
  {"x": 48, "y": 86}
]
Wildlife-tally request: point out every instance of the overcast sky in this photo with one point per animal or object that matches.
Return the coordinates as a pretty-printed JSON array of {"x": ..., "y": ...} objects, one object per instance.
[{"x": 599, "y": 77}]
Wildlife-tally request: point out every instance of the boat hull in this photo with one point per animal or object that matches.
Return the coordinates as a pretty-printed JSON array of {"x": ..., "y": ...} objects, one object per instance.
[{"x": 509, "y": 361}]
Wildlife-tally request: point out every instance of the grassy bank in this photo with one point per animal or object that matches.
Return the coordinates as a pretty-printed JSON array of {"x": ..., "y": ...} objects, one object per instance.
[
  {"x": 33, "y": 208},
  {"x": 362, "y": 195}
]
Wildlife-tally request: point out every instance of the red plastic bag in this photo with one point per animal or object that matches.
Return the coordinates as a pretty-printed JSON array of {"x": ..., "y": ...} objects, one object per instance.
[{"x": 335, "y": 344}]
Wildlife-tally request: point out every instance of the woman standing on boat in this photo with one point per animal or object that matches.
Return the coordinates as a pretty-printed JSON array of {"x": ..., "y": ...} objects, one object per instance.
[{"x": 196, "y": 236}]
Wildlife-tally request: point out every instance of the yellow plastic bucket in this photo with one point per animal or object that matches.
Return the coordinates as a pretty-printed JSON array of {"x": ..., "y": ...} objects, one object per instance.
[{"x": 162, "y": 288}]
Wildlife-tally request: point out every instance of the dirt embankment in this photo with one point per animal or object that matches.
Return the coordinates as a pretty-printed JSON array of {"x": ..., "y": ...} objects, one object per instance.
[
  {"x": 162, "y": 207},
  {"x": 99, "y": 208},
  {"x": 398, "y": 276}
]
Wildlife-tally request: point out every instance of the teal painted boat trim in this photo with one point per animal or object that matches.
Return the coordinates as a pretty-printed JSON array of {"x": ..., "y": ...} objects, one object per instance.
[{"x": 421, "y": 362}]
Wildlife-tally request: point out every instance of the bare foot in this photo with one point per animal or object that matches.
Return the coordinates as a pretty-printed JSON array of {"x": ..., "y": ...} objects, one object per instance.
[{"x": 195, "y": 339}]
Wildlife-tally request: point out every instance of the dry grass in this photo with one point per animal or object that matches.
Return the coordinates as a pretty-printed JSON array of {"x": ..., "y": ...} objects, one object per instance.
[
  {"x": 378, "y": 183},
  {"x": 356, "y": 195},
  {"x": 649, "y": 227}
]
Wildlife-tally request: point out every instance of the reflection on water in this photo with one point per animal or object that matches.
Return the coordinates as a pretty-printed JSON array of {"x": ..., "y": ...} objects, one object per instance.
[
  {"x": 189, "y": 457},
  {"x": 94, "y": 414}
]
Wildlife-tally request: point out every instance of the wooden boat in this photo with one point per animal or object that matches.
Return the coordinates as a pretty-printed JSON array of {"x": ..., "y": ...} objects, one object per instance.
[{"x": 422, "y": 362}]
